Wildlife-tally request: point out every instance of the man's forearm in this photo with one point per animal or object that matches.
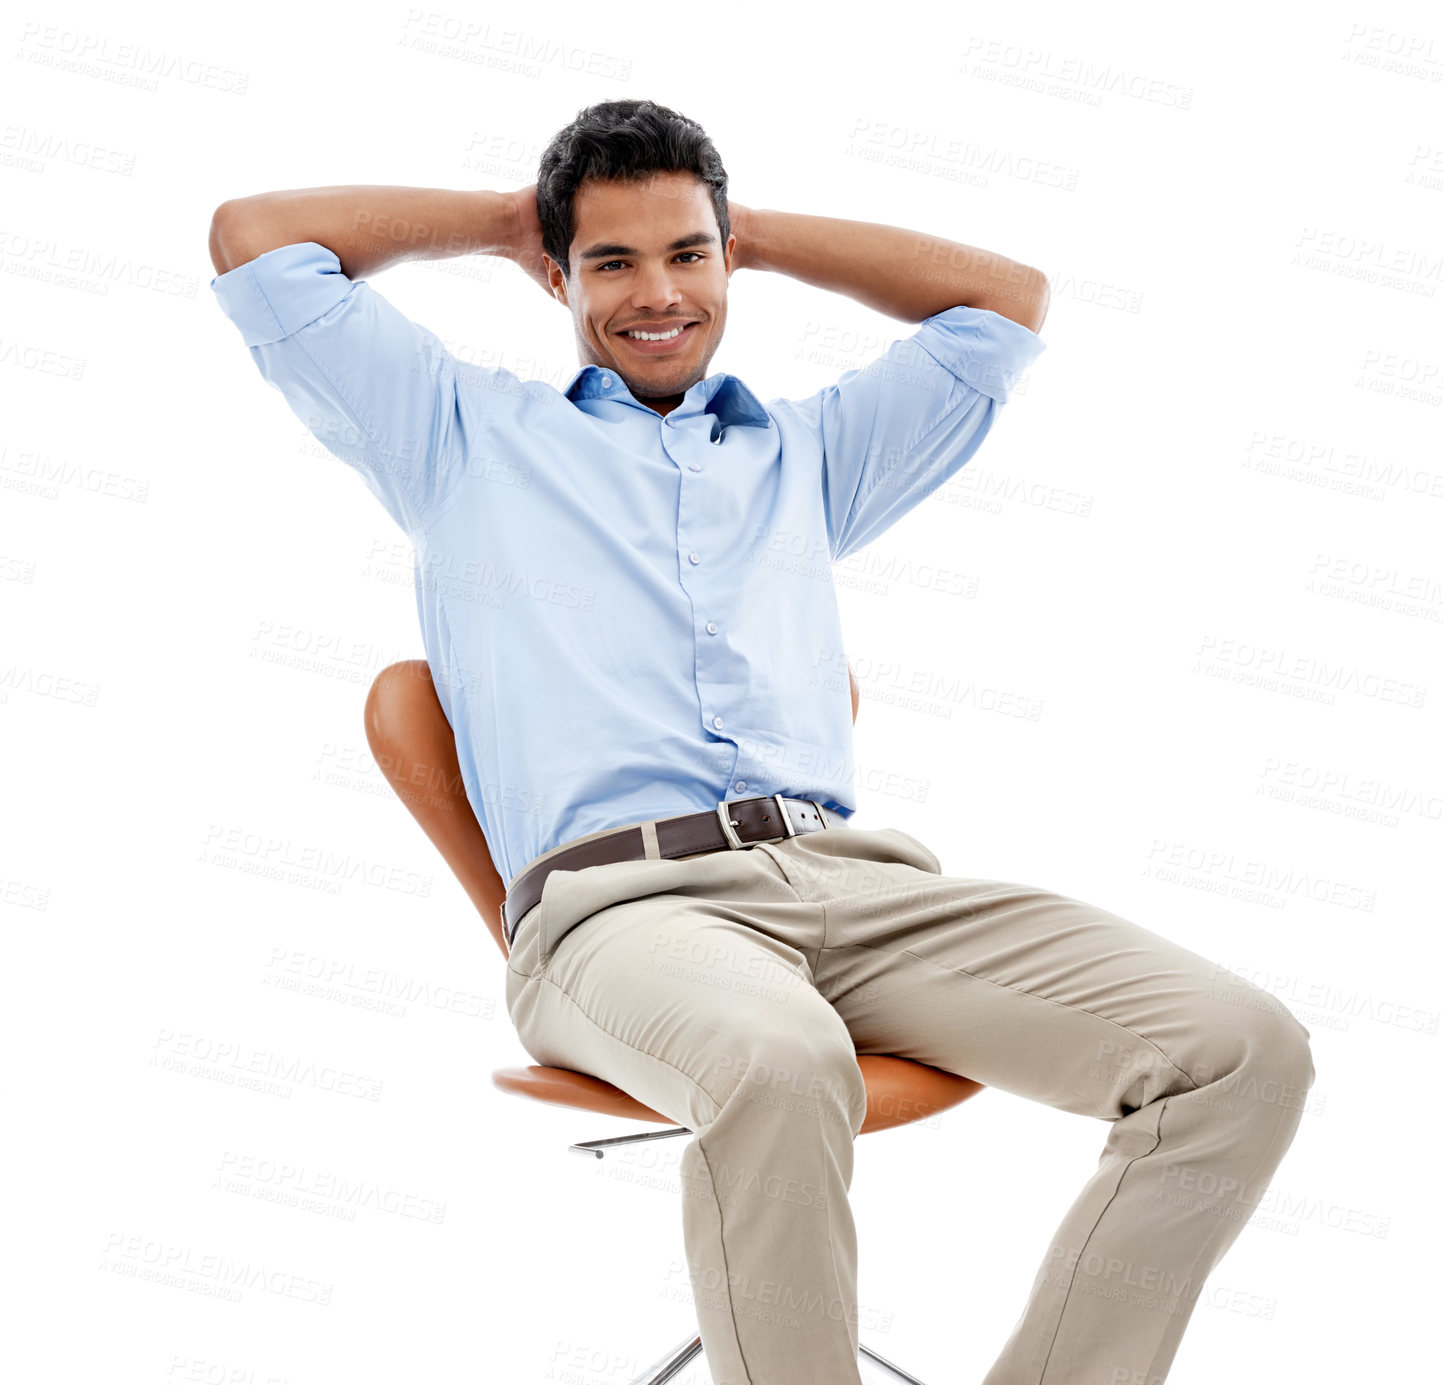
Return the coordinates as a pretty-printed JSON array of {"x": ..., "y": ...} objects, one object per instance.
[
  {"x": 902, "y": 273},
  {"x": 368, "y": 227}
]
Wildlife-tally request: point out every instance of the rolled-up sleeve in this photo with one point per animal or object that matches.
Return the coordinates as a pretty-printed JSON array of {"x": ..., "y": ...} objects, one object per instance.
[
  {"x": 376, "y": 389},
  {"x": 895, "y": 430}
]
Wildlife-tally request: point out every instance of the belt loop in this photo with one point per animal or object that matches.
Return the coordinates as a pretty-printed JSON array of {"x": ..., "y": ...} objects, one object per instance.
[
  {"x": 648, "y": 840},
  {"x": 786, "y": 819}
]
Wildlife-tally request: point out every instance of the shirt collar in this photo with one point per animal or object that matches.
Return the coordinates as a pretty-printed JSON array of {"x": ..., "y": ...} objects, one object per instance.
[{"x": 724, "y": 395}]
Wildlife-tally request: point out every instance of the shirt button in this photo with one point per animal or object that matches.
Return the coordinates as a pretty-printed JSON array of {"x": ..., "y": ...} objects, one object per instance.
[
  {"x": 711, "y": 627},
  {"x": 741, "y": 784},
  {"x": 695, "y": 557},
  {"x": 695, "y": 467},
  {"x": 717, "y": 722},
  {"x": 606, "y": 382}
]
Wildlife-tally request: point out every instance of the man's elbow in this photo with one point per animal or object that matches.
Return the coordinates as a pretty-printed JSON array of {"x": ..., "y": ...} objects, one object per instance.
[
  {"x": 1024, "y": 300},
  {"x": 1035, "y": 313},
  {"x": 233, "y": 239}
]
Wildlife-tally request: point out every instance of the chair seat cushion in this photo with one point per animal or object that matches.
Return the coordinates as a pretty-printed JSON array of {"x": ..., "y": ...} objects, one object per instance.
[{"x": 899, "y": 1091}]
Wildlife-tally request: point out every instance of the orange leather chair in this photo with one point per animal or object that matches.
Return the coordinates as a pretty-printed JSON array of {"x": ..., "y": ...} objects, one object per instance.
[{"x": 413, "y": 744}]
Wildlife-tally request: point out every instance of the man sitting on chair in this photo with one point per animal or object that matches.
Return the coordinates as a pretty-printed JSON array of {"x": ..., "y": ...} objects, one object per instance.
[{"x": 625, "y": 594}]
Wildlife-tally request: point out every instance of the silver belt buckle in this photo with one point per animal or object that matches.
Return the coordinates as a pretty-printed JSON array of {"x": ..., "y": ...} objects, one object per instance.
[{"x": 728, "y": 828}]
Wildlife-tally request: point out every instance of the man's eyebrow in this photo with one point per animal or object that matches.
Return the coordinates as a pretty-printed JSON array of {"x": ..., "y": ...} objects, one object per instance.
[{"x": 605, "y": 252}]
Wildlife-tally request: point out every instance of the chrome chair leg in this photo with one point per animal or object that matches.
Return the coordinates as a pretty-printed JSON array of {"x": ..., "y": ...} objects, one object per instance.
[
  {"x": 886, "y": 1365},
  {"x": 597, "y": 1148},
  {"x": 661, "y": 1371}
]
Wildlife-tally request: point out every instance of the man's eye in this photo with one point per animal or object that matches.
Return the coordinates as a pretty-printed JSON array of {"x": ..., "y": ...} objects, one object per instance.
[{"x": 694, "y": 254}]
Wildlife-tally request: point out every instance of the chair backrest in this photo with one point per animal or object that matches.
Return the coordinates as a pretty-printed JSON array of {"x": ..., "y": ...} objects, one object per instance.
[{"x": 414, "y": 746}]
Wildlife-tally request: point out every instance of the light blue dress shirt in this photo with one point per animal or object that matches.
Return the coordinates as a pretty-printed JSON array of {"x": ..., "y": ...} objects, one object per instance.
[{"x": 627, "y": 616}]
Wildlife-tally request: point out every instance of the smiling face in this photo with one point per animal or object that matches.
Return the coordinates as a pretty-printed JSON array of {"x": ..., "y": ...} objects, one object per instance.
[{"x": 647, "y": 257}]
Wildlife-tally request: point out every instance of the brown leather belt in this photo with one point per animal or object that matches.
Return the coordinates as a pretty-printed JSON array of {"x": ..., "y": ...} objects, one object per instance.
[{"x": 735, "y": 823}]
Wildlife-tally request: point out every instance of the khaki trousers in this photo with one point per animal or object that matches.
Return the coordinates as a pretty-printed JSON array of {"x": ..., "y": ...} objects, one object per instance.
[{"x": 732, "y": 991}]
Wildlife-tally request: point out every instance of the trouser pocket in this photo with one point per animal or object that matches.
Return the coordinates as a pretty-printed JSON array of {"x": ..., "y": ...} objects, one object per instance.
[{"x": 929, "y": 859}]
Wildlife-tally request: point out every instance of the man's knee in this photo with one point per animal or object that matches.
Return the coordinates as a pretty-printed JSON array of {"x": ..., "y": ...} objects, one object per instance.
[
  {"x": 786, "y": 1070},
  {"x": 1239, "y": 1046},
  {"x": 1260, "y": 1051},
  {"x": 1280, "y": 1053}
]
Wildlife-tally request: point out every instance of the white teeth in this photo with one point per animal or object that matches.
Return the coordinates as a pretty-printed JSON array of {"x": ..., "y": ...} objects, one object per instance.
[{"x": 657, "y": 336}]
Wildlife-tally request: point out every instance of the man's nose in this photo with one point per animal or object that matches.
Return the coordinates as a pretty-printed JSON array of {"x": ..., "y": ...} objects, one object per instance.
[{"x": 656, "y": 286}]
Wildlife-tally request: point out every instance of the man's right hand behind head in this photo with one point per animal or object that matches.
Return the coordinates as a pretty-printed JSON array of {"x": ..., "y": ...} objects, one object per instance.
[{"x": 526, "y": 248}]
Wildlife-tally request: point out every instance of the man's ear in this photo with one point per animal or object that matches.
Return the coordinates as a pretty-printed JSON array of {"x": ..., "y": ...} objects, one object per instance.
[{"x": 557, "y": 280}]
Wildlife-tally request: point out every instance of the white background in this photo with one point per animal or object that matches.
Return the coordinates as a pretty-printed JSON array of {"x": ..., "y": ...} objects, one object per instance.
[{"x": 1239, "y": 216}]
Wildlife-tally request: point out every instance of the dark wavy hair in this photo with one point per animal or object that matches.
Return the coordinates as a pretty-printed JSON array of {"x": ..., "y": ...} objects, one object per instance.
[{"x": 624, "y": 141}]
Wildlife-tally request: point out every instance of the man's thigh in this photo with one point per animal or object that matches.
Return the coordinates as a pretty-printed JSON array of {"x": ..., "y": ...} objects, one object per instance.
[
  {"x": 679, "y": 995},
  {"x": 1028, "y": 990}
]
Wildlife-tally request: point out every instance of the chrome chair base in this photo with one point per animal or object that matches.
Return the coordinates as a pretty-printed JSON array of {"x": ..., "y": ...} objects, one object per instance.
[
  {"x": 677, "y": 1360},
  {"x": 673, "y": 1362},
  {"x": 659, "y": 1372},
  {"x": 864, "y": 1350}
]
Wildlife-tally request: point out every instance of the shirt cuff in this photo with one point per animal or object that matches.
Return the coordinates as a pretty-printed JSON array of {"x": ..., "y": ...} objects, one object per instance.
[
  {"x": 981, "y": 348},
  {"x": 281, "y": 291}
]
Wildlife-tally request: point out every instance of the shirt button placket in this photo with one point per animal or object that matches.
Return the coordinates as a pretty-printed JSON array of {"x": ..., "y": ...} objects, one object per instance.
[{"x": 694, "y": 558}]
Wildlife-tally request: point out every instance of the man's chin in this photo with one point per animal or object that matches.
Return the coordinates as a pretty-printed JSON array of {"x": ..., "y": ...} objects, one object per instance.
[{"x": 658, "y": 386}]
